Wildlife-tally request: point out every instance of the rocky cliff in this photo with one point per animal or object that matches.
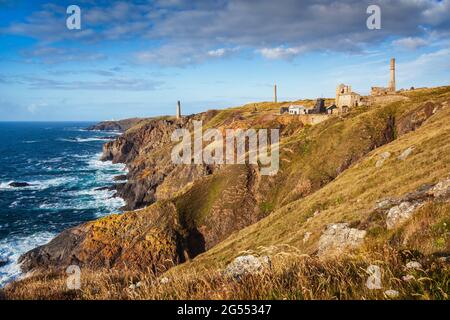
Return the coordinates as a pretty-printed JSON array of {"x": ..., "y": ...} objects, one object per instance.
[
  {"x": 192, "y": 209},
  {"x": 119, "y": 125}
]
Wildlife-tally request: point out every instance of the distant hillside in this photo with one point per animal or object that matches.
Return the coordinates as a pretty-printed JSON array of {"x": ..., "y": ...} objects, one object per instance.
[
  {"x": 119, "y": 125},
  {"x": 368, "y": 187}
]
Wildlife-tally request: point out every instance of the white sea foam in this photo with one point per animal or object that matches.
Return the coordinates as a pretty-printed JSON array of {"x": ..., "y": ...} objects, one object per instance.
[
  {"x": 81, "y": 139},
  {"x": 103, "y": 200},
  {"x": 95, "y": 163},
  {"x": 38, "y": 184},
  {"x": 11, "y": 248}
]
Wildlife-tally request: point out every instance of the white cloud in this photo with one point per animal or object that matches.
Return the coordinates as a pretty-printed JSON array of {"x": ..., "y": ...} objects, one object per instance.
[
  {"x": 280, "y": 52},
  {"x": 410, "y": 43},
  {"x": 438, "y": 13},
  {"x": 426, "y": 64},
  {"x": 221, "y": 52}
]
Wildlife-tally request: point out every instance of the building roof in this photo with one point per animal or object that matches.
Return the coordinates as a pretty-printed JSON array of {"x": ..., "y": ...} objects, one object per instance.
[{"x": 293, "y": 106}]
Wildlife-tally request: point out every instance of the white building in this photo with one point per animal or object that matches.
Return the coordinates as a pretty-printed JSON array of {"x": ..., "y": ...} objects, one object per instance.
[{"x": 297, "y": 109}]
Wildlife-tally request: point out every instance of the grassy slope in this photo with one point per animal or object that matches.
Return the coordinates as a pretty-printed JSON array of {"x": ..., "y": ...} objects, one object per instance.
[
  {"x": 311, "y": 155},
  {"x": 351, "y": 197}
]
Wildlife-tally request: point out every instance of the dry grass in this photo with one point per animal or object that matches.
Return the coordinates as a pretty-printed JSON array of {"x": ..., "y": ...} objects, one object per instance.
[
  {"x": 350, "y": 197},
  {"x": 291, "y": 276}
]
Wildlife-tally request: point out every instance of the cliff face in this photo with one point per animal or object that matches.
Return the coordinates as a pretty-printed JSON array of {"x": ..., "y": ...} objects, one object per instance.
[
  {"x": 190, "y": 209},
  {"x": 146, "y": 150},
  {"x": 146, "y": 239}
]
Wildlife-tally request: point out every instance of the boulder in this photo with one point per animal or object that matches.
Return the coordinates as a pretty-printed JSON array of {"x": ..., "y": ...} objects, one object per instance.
[
  {"x": 3, "y": 261},
  {"x": 381, "y": 158},
  {"x": 392, "y": 294},
  {"x": 386, "y": 203},
  {"x": 244, "y": 265},
  {"x": 405, "y": 153},
  {"x": 121, "y": 177},
  {"x": 413, "y": 265},
  {"x": 408, "y": 278},
  {"x": 338, "y": 237},
  {"x": 399, "y": 214},
  {"x": 441, "y": 189}
]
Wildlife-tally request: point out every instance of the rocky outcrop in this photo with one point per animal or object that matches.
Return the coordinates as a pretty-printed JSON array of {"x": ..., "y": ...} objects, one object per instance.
[
  {"x": 146, "y": 151},
  {"x": 161, "y": 235},
  {"x": 406, "y": 153},
  {"x": 381, "y": 158},
  {"x": 401, "y": 209},
  {"x": 415, "y": 118},
  {"x": 19, "y": 184},
  {"x": 339, "y": 237},
  {"x": 401, "y": 213},
  {"x": 149, "y": 239},
  {"x": 247, "y": 265}
]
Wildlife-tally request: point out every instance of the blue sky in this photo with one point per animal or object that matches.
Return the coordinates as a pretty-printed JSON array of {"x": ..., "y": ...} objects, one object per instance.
[{"x": 137, "y": 58}]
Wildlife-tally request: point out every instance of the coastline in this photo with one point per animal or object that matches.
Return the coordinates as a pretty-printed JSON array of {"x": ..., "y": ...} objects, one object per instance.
[{"x": 81, "y": 196}]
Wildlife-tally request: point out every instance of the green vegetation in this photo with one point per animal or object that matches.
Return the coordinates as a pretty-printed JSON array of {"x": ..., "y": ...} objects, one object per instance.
[{"x": 328, "y": 174}]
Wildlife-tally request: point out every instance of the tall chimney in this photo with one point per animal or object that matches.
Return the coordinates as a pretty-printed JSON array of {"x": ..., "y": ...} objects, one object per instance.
[
  {"x": 178, "y": 109},
  {"x": 275, "y": 91},
  {"x": 392, "y": 81}
]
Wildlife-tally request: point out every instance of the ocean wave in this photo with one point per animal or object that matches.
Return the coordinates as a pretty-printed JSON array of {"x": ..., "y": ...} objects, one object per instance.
[
  {"x": 102, "y": 200},
  {"x": 96, "y": 164},
  {"x": 81, "y": 139},
  {"x": 11, "y": 248},
  {"x": 39, "y": 184}
]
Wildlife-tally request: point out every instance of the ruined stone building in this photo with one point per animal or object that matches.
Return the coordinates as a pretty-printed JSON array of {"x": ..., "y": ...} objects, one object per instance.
[
  {"x": 346, "y": 98},
  {"x": 319, "y": 107},
  {"x": 332, "y": 109},
  {"x": 378, "y": 91}
]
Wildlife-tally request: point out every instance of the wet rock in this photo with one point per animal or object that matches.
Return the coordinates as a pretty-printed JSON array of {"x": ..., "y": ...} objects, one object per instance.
[
  {"x": 399, "y": 214},
  {"x": 405, "y": 154},
  {"x": 108, "y": 188},
  {"x": 338, "y": 237},
  {"x": 122, "y": 177},
  {"x": 19, "y": 184},
  {"x": 244, "y": 265},
  {"x": 3, "y": 261}
]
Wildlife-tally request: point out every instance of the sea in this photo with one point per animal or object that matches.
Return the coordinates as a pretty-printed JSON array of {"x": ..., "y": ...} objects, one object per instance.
[{"x": 60, "y": 163}]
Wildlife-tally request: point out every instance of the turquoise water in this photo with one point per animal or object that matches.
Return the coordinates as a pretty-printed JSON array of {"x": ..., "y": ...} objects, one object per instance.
[{"x": 60, "y": 162}]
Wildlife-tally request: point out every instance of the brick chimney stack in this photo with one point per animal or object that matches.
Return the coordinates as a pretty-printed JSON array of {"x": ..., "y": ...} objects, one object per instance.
[
  {"x": 178, "y": 109},
  {"x": 392, "y": 81},
  {"x": 275, "y": 92}
]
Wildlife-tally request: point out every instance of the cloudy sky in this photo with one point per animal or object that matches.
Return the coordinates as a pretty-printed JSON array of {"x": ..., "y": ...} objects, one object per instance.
[{"x": 137, "y": 58}]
